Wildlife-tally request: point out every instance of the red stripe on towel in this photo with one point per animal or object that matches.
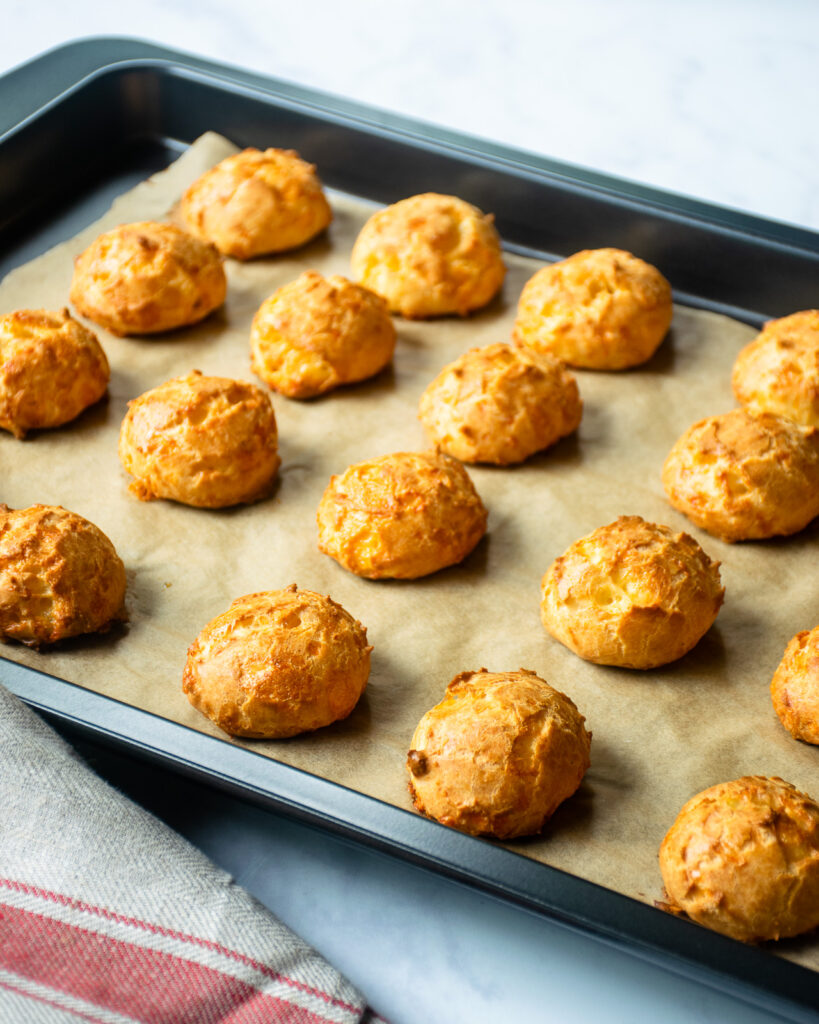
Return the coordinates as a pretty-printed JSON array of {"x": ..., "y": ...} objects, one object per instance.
[
  {"x": 233, "y": 954},
  {"x": 154, "y": 987}
]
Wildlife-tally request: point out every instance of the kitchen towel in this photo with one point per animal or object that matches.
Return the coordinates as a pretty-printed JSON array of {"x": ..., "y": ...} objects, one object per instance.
[{"x": 108, "y": 916}]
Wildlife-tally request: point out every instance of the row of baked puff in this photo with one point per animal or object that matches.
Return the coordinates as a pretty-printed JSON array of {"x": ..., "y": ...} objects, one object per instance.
[{"x": 632, "y": 593}]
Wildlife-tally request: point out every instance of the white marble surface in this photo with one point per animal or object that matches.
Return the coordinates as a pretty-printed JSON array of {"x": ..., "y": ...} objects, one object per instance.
[{"x": 713, "y": 100}]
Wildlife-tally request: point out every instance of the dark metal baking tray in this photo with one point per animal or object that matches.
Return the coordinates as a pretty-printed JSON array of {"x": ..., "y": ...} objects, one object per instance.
[{"x": 84, "y": 122}]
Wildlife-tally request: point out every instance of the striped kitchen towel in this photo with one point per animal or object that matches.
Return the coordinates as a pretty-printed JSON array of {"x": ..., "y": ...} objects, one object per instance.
[{"x": 108, "y": 916}]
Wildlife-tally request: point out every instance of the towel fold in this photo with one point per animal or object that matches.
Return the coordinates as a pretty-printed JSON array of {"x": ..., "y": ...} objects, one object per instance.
[{"x": 107, "y": 915}]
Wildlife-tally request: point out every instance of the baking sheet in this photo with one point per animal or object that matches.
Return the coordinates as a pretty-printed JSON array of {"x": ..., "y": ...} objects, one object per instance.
[{"x": 659, "y": 737}]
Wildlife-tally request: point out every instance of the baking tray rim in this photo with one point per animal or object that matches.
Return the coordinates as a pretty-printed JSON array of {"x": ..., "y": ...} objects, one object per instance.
[
  {"x": 747, "y": 973},
  {"x": 150, "y": 56}
]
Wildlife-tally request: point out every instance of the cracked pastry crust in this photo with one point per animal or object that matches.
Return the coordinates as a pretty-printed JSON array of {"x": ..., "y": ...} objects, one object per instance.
[
  {"x": 600, "y": 309},
  {"x": 742, "y": 858},
  {"x": 795, "y": 687},
  {"x": 402, "y": 516},
  {"x": 278, "y": 663},
  {"x": 498, "y": 755},
  {"x": 500, "y": 404},
  {"x": 744, "y": 477},
  {"x": 60, "y": 576},
  {"x": 51, "y": 369},
  {"x": 147, "y": 277},
  {"x": 317, "y": 333},
  {"x": 632, "y": 594},
  {"x": 210, "y": 442},
  {"x": 257, "y": 202},
  {"x": 430, "y": 255},
  {"x": 778, "y": 371}
]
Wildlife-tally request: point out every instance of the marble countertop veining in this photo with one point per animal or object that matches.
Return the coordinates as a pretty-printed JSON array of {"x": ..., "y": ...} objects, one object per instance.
[{"x": 717, "y": 101}]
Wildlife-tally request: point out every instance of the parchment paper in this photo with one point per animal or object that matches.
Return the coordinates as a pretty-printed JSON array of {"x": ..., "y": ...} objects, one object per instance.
[{"x": 659, "y": 737}]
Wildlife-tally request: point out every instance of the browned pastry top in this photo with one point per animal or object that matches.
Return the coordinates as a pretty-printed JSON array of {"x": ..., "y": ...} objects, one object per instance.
[
  {"x": 256, "y": 202},
  {"x": 744, "y": 477},
  {"x": 402, "y": 515},
  {"x": 779, "y": 370},
  {"x": 795, "y": 686},
  {"x": 51, "y": 369},
  {"x": 430, "y": 255},
  {"x": 742, "y": 858},
  {"x": 500, "y": 404},
  {"x": 60, "y": 575},
  {"x": 278, "y": 663},
  {"x": 633, "y": 594},
  {"x": 317, "y": 333},
  {"x": 602, "y": 309},
  {"x": 204, "y": 441},
  {"x": 146, "y": 278},
  {"x": 498, "y": 755}
]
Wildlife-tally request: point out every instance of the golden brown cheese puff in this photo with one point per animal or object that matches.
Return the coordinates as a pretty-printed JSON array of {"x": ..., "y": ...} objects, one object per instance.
[
  {"x": 498, "y": 755},
  {"x": 779, "y": 370},
  {"x": 430, "y": 255},
  {"x": 257, "y": 202},
  {"x": 204, "y": 441},
  {"x": 278, "y": 663},
  {"x": 742, "y": 858},
  {"x": 744, "y": 477},
  {"x": 51, "y": 369},
  {"x": 632, "y": 594},
  {"x": 59, "y": 575},
  {"x": 601, "y": 309},
  {"x": 402, "y": 516},
  {"x": 500, "y": 404},
  {"x": 147, "y": 277},
  {"x": 795, "y": 687},
  {"x": 316, "y": 333}
]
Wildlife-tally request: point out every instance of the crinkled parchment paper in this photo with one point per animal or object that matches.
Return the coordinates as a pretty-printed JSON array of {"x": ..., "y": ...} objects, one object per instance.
[{"x": 659, "y": 737}]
